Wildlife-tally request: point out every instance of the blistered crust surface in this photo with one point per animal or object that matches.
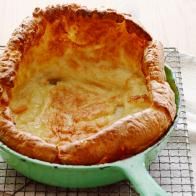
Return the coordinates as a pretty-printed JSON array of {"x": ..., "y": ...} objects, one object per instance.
[
  {"x": 153, "y": 68},
  {"x": 133, "y": 133},
  {"x": 125, "y": 137}
]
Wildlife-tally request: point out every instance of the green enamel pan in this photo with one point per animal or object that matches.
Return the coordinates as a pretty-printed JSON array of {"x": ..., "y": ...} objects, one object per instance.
[{"x": 132, "y": 169}]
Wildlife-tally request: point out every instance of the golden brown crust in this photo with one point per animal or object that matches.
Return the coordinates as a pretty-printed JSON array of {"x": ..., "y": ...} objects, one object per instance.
[
  {"x": 153, "y": 68},
  {"x": 134, "y": 133},
  {"x": 29, "y": 32},
  {"x": 25, "y": 143},
  {"x": 153, "y": 62},
  {"x": 125, "y": 137}
]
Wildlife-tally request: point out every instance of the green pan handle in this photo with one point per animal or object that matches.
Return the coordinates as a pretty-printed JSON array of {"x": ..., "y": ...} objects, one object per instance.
[{"x": 135, "y": 171}]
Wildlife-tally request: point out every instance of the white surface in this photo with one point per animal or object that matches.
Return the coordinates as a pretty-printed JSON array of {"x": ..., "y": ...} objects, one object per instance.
[
  {"x": 189, "y": 84},
  {"x": 171, "y": 22}
]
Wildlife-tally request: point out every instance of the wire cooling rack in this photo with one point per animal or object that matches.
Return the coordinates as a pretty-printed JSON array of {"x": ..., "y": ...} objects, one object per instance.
[{"x": 172, "y": 168}]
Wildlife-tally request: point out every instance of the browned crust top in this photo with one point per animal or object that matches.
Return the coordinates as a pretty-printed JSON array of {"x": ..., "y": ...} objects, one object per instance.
[
  {"x": 144, "y": 128},
  {"x": 136, "y": 132}
]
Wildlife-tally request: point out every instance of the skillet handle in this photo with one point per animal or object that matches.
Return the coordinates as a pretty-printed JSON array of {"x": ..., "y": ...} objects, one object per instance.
[{"x": 136, "y": 173}]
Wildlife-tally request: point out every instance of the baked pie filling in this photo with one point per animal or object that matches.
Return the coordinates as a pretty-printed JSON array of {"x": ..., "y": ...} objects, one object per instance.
[{"x": 84, "y": 81}]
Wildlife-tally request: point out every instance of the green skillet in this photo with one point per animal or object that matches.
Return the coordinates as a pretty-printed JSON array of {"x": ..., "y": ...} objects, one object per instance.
[{"x": 132, "y": 169}]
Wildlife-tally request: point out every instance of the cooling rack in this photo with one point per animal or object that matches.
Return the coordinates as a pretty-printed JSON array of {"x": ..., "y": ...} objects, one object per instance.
[{"x": 172, "y": 169}]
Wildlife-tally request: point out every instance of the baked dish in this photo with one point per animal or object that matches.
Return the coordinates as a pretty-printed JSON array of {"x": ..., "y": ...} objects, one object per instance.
[{"x": 83, "y": 87}]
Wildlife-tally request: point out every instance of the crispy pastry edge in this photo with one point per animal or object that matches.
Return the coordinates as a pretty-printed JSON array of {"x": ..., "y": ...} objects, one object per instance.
[
  {"x": 116, "y": 137},
  {"x": 136, "y": 132}
]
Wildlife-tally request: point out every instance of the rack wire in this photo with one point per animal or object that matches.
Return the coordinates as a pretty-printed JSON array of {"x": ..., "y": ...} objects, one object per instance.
[{"x": 172, "y": 169}]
